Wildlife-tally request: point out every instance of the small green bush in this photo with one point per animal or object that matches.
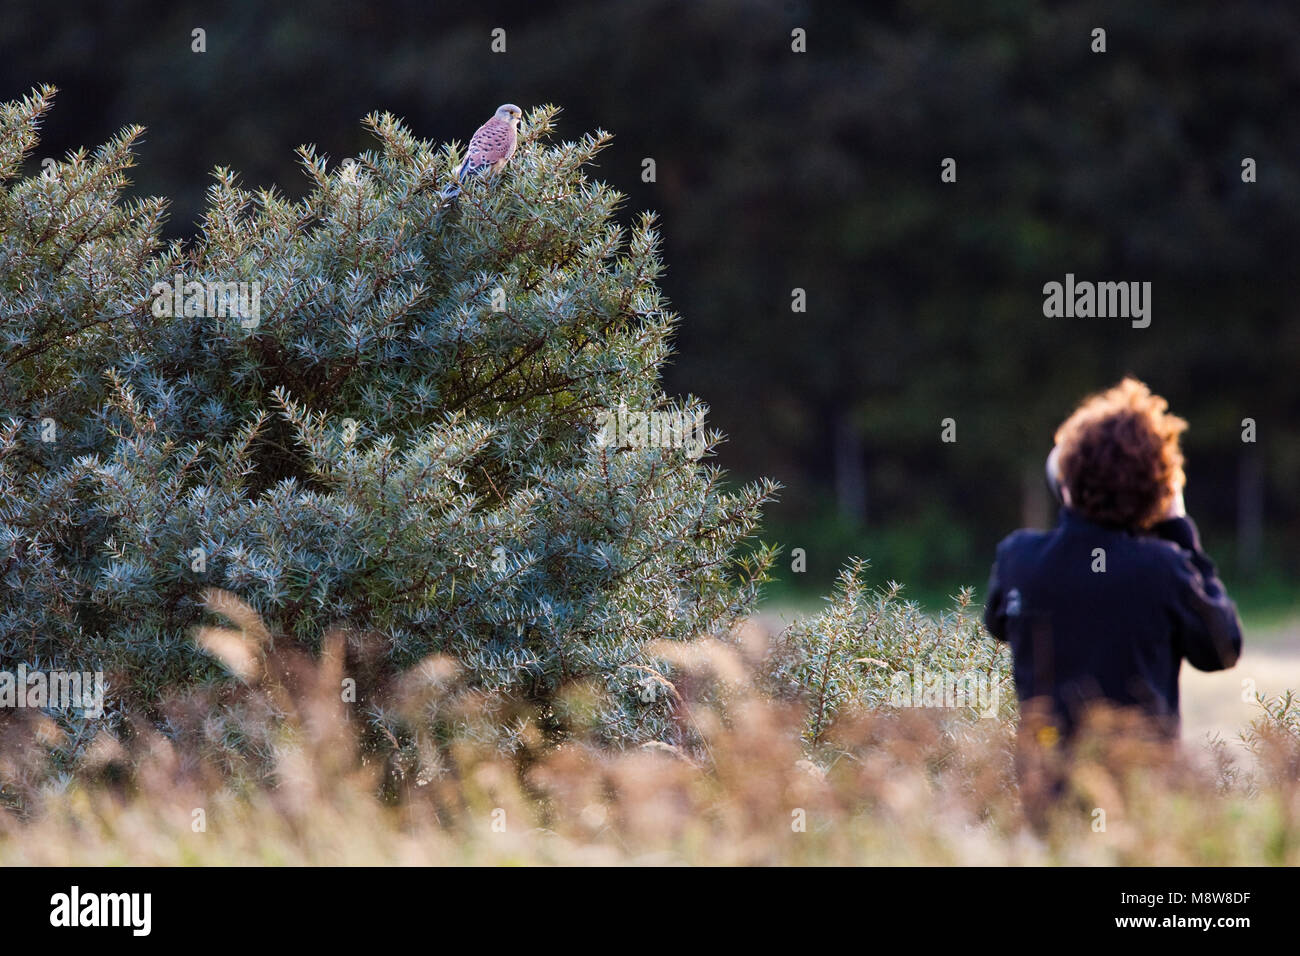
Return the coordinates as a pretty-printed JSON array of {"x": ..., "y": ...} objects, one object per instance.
[{"x": 869, "y": 647}]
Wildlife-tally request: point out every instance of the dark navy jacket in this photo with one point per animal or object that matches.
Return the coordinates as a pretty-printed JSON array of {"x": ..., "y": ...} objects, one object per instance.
[{"x": 1079, "y": 634}]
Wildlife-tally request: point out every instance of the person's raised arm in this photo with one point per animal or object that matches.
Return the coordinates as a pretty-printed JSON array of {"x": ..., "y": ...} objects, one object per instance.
[
  {"x": 995, "y": 607},
  {"x": 1209, "y": 629}
]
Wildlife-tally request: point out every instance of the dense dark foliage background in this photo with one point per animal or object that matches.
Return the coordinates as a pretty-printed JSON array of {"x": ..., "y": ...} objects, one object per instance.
[{"x": 820, "y": 170}]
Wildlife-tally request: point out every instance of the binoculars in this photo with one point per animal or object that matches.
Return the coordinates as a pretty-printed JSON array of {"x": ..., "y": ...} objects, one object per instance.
[{"x": 1053, "y": 475}]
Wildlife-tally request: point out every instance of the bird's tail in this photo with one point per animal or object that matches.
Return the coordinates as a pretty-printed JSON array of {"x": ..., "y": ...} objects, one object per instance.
[{"x": 461, "y": 173}]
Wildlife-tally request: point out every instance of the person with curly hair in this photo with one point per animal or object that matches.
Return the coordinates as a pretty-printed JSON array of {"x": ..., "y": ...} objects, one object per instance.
[{"x": 1104, "y": 608}]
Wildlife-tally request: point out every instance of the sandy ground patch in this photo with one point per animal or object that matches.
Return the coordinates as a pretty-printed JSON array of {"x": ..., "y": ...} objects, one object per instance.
[{"x": 1223, "y": 701}]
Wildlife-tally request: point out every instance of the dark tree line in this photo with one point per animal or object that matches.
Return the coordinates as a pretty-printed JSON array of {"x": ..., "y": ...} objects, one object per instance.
[{"x": 820, "y": 171}]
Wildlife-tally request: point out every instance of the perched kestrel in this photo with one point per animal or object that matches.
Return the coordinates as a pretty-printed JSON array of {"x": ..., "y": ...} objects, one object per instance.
[{"x": 490, "y": 148}]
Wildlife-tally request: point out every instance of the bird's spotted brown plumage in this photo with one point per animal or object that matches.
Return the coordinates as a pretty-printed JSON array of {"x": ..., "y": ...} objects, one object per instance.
[{"x": 491, "y": 146}]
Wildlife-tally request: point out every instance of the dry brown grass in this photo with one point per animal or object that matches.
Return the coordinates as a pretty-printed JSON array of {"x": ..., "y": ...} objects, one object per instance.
[{"x": 883, "y": 787}]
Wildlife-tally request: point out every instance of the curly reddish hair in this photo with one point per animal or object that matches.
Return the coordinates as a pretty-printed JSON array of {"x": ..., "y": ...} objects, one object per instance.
[{"x": 1119, "y": 456}]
